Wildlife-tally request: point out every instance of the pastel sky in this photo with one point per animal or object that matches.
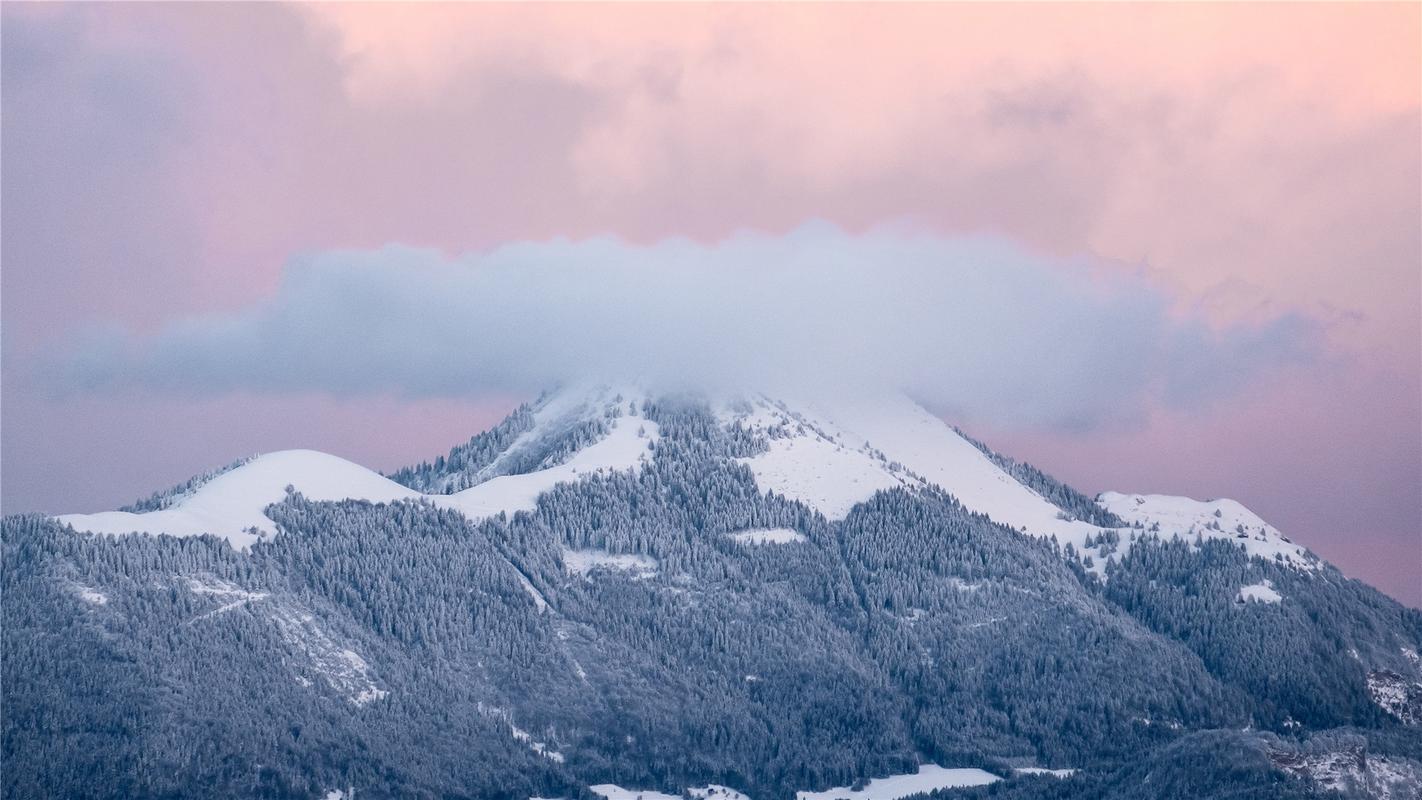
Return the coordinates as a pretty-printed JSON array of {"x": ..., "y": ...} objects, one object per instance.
[{"x": 1193, "y": 231}]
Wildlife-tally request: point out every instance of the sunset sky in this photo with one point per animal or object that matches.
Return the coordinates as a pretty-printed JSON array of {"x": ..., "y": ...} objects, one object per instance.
[{"x": 1167, "y": 248}]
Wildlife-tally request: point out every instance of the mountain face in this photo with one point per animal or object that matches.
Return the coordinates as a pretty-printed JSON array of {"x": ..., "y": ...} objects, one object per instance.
[{"x": 727, "y": 597}]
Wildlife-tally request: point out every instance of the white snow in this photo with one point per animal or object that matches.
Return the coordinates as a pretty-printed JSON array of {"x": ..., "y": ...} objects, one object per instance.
[
  {"x": 582, "y": 562},
  {"x": 715, "y": 791},
  {"x": 851, "y": 448},
  {"x": 91, "y": 595},
  {"x": 712, "y": 791},
  {"x": 1057, "y": 773},
  {"x": 767, "y": 536},
  {"x": 1262, "y": 592},
  {"x": 538, "y": 599},
  {"x": 929, "y": 777},
  {"x": 235, "y": 595},
  {"x": 828, "y": 477},
  {"x": 829, "y": 454},
  {"x": 908, "y": 434},
  {"x": 1223, "y": 519},
  {"x": 342, "y": 668},
  {"x": 833, "y": 454},
  {"x": 614, "y": 792},
  {"x": 626, "y": 445},
  {"x": 232, "y": 504},
  {"x": 1396, "y": 695}
]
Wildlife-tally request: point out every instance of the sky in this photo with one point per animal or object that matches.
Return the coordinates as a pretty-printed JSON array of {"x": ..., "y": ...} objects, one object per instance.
[{"x": 1150, "y": 248}]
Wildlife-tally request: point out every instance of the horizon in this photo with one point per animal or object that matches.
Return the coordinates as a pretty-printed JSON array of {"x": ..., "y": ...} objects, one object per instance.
[{"x": 1117, "y": 250}]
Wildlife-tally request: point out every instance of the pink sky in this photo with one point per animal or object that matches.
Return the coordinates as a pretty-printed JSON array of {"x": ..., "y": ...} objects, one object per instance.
[{"x": 1252, "y": 160}]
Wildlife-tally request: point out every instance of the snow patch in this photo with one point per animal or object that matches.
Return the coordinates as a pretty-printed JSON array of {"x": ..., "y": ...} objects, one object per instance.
[
  {"x": 1396, "y": 695},
  {"x": 625, "y": 446},
  {"x": 716, "y": 791},
  {"x": 539, "y": 600},
  {"x": 1262, "y": 592},
  {"x": 233, "y": 595},
  {"x": 90, "y": 595},
  {"x": 343, "y": 669},
  {"x": 1226, "y": 520},
  {"x": 833, "y": 455},
  {"x": 929, "y": 777},
  {"x": 767, "y": 536},
  {"x": 820, "y": 473},
  {"x": 232, "y": 505},
  {"x": 582, "y": 562},
  {"x": 614, "y": 792}
]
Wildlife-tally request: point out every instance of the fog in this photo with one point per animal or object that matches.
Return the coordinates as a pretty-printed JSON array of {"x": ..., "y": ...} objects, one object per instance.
[{"x": 975, "y": 326}]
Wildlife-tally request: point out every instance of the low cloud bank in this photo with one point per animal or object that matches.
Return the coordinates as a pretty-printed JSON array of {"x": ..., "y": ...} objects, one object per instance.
[{"x": 977, "y": 327}]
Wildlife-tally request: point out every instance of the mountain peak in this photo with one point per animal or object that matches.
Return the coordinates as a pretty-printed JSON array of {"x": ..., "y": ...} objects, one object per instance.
[{"x": 830, "y": 453}]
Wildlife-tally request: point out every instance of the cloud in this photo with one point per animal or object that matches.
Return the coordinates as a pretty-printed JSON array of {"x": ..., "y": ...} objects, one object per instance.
[{"x": 976, "y": 325}]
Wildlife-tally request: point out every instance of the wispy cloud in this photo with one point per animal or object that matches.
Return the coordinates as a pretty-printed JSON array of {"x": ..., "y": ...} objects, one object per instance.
[{"x": 976, "y": 325}]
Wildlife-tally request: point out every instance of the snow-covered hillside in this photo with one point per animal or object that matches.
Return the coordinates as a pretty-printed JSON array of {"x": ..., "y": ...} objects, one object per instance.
[
  {"x": 1209, "y": 519},
  {"x": 834, "y": 454},
  {"x": 829, "y": 454},
  {"x": 231, "y": 505}
]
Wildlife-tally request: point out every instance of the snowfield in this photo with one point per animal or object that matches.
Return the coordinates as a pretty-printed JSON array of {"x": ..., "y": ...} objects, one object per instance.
[
  {"x": 837, "y": 455},
  {"x": 929, "y": 777},
  {"x": 626, "y": 445},
  {"x": 90, "y": 595},
  {"x": 614, "y": 792},
  {"x": 1209, "y": 519},
  {"x": 830, "y": 455},
  {"x": 582, "y": 562},
  {"x": 716, "y": 792},
  {"x": 767, "y": 536},
  {"x": 823, "y": 475},
  {"x": 1260, "y": 593},
  {"x": 232, "y": 505}
]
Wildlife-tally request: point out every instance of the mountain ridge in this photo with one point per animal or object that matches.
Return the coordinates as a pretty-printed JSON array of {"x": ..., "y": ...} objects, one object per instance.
[{"x": 776, "y": 597}]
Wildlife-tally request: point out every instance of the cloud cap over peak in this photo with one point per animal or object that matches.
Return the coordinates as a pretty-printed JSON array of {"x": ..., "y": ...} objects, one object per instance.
[{"x": 976, "y": 325}]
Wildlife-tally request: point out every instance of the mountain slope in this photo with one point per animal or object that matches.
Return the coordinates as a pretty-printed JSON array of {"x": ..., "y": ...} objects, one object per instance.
[{"x": 671, "y": 592}]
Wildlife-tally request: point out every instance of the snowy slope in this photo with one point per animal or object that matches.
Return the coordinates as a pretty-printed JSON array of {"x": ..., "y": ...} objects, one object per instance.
[
  {"x": 833, "y": 454},
  {"x": 626, "y": 445},
  {"x": 929, "y": 777},
  {"x": 232, "y": 504},
  {"x": 1262, "y": 592},
  {"x": 829, "y": 454},
  {"x": 1209, "y": 519},
  {"x": 760, "y": 536}
]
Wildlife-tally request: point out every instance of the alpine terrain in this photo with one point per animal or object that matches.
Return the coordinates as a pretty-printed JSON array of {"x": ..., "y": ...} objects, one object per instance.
[{"x": 617, "y": 593}]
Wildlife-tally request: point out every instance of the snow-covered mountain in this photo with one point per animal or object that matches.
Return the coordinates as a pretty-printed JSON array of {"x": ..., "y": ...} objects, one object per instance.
[
  {"x": 830, "y": 456},
  {"x": 739, "y": 596}
]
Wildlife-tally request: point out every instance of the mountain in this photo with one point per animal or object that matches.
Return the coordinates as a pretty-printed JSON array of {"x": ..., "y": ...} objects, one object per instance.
[{"x": 720, "y": 596}]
